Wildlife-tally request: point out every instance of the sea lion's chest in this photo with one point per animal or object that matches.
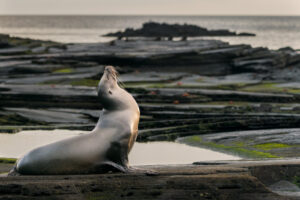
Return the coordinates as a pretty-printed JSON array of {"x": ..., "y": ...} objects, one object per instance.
[{"x": 125, "y": 121}]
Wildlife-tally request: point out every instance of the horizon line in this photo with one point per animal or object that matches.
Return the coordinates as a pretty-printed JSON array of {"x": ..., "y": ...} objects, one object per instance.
[{"x": 166, "y": 15}]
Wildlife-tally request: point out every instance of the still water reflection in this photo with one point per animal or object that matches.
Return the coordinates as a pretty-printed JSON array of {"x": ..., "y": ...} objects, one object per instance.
[{"x": 16, "y": 145}]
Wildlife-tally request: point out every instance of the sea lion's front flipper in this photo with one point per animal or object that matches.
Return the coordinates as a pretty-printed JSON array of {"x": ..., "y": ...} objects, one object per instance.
[{"x": 111, "y": 166}]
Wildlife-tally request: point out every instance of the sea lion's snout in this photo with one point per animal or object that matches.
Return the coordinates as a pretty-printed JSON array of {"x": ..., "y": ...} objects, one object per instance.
[
  {"x": 109, "y": 68},
  {"x": 110, "y": 71},
  {"x": 109, "y": 75},
  {"x": 108, "y": 83}
]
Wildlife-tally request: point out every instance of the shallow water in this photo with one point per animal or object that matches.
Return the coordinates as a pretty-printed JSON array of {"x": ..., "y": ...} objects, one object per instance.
[{"x": 16, "y": 145}]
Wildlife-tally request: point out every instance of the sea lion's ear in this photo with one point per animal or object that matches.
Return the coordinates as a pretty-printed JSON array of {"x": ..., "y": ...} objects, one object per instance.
[{"x": 109, "y": 92}]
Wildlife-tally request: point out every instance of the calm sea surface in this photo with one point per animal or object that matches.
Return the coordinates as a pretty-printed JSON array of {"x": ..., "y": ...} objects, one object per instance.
[{"x": 272, "y": 31}]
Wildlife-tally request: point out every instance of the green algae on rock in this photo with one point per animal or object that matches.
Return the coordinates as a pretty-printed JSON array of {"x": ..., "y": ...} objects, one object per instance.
[
  {"x": 276, "y": 143},
  {"x": 238, "y": 149},
  {"x": 8, "y": 160}
]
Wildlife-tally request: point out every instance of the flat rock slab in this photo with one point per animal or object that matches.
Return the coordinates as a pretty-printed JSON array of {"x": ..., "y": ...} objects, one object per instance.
[
  {"x": 285, "y": 188},
  {"x": 290, "y": 85},
  {"x": 141, "y": 48},
  {"x": 205, "y": 57},
  {"x": 150, "y": 77},
  {"x": 55, "y": 90},
  {"x": 231, "y": 180},
  {"x": 14, "y": 50},
  {"x": 274, "y": 142},
  {"x": 13, "y": 63},
  {"x": 229, "y": 95},
  {"x": 51, "y": 116},
  {"x": 200, "y": 80},
  {"x": 54, "y": 77}
]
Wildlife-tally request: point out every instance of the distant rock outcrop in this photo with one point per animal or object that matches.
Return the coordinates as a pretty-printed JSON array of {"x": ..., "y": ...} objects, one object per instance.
[{"x": 154, "y": 29}]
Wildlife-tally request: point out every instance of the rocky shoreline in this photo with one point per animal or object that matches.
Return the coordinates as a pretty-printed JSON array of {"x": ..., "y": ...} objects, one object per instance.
[
  {"x": 183, "y": 88},
  {"x": 202, "y": 92}
]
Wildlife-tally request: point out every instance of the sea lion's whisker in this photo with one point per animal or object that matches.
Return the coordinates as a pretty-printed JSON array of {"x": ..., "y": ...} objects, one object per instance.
[{"x": 120, "y": 83}]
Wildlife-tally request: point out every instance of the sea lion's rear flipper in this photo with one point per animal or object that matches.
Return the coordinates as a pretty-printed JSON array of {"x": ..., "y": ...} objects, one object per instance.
[{"x": 13, "y": 172}]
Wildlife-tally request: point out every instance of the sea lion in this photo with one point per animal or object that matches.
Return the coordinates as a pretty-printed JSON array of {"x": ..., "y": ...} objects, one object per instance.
[{"x": 104, "y": 149}]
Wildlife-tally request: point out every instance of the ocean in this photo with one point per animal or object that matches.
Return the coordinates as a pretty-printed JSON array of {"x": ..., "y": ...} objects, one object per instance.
[{"x": 272, "y": 31}]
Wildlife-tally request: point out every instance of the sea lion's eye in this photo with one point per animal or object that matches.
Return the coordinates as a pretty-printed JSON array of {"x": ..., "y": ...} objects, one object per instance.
[{"x": 109, "y": 92}]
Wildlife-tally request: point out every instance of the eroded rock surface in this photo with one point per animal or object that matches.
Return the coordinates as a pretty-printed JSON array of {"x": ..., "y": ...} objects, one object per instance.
[
  {"x": 229, "y": 180},
  {"x": 184, "y": 88},
  {"x": 204, "y": 89}
]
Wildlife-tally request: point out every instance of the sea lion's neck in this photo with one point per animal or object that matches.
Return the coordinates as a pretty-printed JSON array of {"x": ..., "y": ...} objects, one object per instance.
[
  {"x": 123, "y": 109},
  {"x": 119, "y": 100}
]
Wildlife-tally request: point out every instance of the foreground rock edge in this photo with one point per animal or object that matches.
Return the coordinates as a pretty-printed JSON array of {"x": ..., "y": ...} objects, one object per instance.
[{"x": 228, "y": 180}]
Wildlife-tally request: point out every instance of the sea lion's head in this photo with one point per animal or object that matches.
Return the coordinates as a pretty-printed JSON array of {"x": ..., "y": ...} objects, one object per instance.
[
  {"x": 108, "y": 82},
  {"x": 111, "y": 95}
]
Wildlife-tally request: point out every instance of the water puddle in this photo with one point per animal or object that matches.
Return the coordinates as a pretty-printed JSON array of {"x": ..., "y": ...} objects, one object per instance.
[{"x": 152, "y": 153}]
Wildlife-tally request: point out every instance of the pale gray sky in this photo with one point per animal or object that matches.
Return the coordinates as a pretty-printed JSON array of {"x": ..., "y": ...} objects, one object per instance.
[{"x": 152, "y": 7}]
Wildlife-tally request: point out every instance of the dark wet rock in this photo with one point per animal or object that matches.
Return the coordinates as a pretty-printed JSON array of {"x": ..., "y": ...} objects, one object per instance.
[
  {"x": 242, "y": 180},
  {"x": 286, "y": 49},
  {"x": 12, "y": 129},
  {"x": 290, "y": 74},
  {"x": 16, "y": 45},
  {"x": 4, "y": 41},
  {"x": 182, "y": 107},
  {"x": 48, "y": 90},
  {"x": 204, "y": 127},
  {"x": 50, "y": 96},
  {"x": 154, "y": 29},
  {"x": 4, "y": 44},
  {"x": 246, "y": 34},
  {"x": 12, "y": 118},
  {"x": 51, "y": 115},
  {"x": 297, "y": 108},
  {"x": 12, "y": 63},
  {"x": 53, "y": 77},
  {"x": 158, "y": 77},
  {"x": 285, "y": 188},
  {"x": 14, "y": 50},
  {"x": 41, "y": 49},
  {"x": 55, "y": 50},
  {"x": 230, "y": 95},
  {"x": 22, "y": 69},
  {"x": 210, "y": 163},
  {"x": 264, "y": 107},
  {"x": 205, "y": 57}
]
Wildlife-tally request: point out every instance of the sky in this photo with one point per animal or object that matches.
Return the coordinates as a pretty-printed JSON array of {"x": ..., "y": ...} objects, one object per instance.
[{"x": 150, "y": 7}]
